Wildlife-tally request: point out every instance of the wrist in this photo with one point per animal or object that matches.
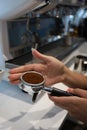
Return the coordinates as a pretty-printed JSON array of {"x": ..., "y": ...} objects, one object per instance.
[{"x": 66, "y": 76}]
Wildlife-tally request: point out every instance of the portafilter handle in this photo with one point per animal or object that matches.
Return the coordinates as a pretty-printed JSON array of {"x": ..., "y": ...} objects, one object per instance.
[{"x": 57, "y": 92}]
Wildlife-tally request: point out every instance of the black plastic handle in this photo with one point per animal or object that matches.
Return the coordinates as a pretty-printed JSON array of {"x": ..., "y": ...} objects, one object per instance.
[{"x": 58, "y": 92}]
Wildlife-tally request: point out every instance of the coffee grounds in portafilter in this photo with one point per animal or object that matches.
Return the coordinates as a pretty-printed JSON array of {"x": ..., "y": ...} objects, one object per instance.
[{"x": 32, "y": 78}]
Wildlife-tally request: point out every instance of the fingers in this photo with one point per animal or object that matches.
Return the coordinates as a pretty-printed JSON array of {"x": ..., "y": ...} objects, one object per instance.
[
  {"x": 61, "y": 100},
  {"x": 76, "y": 106},
  {"x": 14, "y": 78},
  {"x": 40, "y": 56},
  {"x": 30, "y": 67},
  {"x": 21, "y": 69},
  {"x": 64, "y": 102},
  {"x": 15, "y": 82},
  {"x": 79, "y": 92}
]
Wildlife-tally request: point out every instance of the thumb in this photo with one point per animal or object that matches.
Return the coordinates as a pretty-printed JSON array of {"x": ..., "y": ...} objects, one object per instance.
[
  {"x": 78, "y": 92},
  {"x": 40, "y": 56}
]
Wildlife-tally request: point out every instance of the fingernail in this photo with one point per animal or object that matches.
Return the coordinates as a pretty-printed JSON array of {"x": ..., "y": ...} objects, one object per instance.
[
  {"x": 70, "y": 90},
  {"x": 32, "y": 49}
]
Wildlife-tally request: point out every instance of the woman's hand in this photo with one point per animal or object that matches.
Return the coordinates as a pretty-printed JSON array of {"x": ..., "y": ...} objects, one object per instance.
[
  {"x": 75, "y": 105},
  {"x": 51, "y": 68}
]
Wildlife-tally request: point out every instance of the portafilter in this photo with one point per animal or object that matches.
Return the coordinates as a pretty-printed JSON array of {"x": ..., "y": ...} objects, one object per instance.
[{"x": 36, "y": 81}]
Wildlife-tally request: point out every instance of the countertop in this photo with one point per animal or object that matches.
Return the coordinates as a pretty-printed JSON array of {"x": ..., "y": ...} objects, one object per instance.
[{"x": 18, "y": 112}]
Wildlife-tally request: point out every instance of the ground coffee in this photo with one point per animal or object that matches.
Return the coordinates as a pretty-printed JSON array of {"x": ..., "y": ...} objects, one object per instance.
[{"x": 33, "y": 77}]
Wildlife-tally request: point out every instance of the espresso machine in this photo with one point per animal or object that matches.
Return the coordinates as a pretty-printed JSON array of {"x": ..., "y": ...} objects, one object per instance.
[{"x": 20, "y": 9}]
